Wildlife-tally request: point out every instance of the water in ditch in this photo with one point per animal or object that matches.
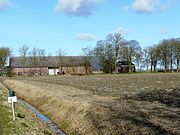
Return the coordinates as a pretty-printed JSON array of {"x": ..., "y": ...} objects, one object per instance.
[{"x": 43, "y": 118}]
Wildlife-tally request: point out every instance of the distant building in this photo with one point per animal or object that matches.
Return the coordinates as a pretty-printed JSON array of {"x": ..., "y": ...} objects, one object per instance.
[
  {"x": 49, "y": 66},
  {"x": 123, "y": 67},
  {"x": 96, "y": 67}
]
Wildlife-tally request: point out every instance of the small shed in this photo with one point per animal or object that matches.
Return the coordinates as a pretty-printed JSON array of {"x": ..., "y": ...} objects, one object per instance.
[{"x": 123, "y": 67}]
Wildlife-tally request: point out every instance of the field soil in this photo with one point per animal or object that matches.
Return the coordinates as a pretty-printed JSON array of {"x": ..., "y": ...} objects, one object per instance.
[{"x": 131, "y": 104}]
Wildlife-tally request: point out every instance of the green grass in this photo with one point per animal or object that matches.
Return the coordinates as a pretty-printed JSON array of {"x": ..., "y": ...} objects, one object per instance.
[
  {"x": 26, "y": 123},
  {"x": 5, "y": 120},
  {"x": 64, "y": 125}
]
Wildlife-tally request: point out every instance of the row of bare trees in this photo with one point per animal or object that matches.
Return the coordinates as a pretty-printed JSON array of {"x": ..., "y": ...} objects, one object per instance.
[
  {"x": 115, "y": 48},
  {"x": 38, "y": 57},
  {"x": 164, "y": 56},
  {"x": 34, "y": 58}
]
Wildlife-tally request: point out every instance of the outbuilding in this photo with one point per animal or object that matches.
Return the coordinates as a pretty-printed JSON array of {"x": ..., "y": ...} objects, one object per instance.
[
  {"x": 123, "y": 67},
  {"x": 49, "y": 65}
]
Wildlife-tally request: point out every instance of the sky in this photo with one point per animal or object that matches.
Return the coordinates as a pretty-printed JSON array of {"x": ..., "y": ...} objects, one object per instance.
[{"x": 71, "y": 25}]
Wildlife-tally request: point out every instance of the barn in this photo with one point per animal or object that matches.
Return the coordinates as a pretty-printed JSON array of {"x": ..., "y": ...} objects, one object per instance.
[{"x": 51, "y": 65}]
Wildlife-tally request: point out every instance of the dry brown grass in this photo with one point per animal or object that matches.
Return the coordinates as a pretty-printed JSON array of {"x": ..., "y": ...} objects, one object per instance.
[{"x": 106, "y": 104}]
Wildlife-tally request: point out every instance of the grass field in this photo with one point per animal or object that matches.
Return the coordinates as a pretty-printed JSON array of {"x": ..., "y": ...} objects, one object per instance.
[
  {"x": 26, "y": 122},
  {"x": 130, "y": 104}
]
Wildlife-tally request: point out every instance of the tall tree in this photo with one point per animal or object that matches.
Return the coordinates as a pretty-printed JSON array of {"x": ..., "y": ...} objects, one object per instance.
[
  {"x": 99, "y": 52},
  {"x": 4, "y": 54},
  {"x": 118, "y": 45},
  {"x": 146, "y": 59},
  {"x": 139, "y": 59},
  {"x": 60, "y": 54},
  {"x": 153, "y": 56},
  {"x": 177, "y": 53},
  {"x": 24, "y": 53},
  {"x": 42, "y": 59},
  {"x": 87, "y": 56},
  {"x": 131, "y": 49},
  {"x": 164, "y": 53},
  {"x": 34, "y": 60}
]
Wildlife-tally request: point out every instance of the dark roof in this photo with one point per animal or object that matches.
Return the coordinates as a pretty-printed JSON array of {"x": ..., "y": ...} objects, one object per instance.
[
  {"x": 123, "y": 63},
  {"x": 17, "y": 62},
  {"x": 51, "y": 61}
]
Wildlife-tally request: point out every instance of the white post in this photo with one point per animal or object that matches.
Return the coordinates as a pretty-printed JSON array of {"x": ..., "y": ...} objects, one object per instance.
[{"x": 13, "y": 110}]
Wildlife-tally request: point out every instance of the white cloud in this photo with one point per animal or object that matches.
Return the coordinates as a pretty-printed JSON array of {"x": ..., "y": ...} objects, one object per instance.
[
  {"x": 121, "y": 30},
  {"x": 3, "y": 4},
  {"x": 145, "y": 6},
  {"x": 77, "y": 7},
  {"x": 151, "y": 6},
  {"x": 85, "y": 37}
]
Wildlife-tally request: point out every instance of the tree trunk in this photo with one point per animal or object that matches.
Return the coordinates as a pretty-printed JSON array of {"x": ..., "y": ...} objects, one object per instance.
[
  {"x": 147, "y": 66},
  {"x": 155, "y": 63},
  {"x": 177, "y": 69},
  {"x": 171, "y": 65},
  {"x": 129, "y": 65},
  {"x": 151, "y": 66},
  {"x": 165, "y": 66}
]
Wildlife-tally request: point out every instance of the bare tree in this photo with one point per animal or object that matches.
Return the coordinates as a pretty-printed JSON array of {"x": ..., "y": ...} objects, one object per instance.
[
  {"x": 146, "y": 58},
  {"x": 118, "y": 45},
  {"x": 60, "y": 54},
  {"x": 139, "y": 58},
  {"x": 177, "y": 53},
  {"x": 87, "y": 56},
  {"x": 109, "y": 54},
  {"x": 4, "y": 54},
  {"x": 154, "y": 53},
  {"x": 24, "y": 53},
  {"x": 42, "y": 59},
  {"x": 34, "y": 60},
  {"x": 131, "y": 50},
  {"x": 164, "y": 53},
  {"x": 99, "y": 51},
  {"x": 172, "y": 43}
]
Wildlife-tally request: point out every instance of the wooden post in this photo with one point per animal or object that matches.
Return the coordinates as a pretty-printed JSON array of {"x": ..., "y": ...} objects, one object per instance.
[{"x": 13, "y": 111}]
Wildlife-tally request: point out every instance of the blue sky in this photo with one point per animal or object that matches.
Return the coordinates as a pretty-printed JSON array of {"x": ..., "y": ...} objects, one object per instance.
[{"x": 74, "y": 24}]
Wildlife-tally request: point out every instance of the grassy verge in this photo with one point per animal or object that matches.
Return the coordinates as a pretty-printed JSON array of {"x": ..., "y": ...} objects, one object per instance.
[
  {"x": 26, "y": 122},
  {"x": 5, "y": 120}
]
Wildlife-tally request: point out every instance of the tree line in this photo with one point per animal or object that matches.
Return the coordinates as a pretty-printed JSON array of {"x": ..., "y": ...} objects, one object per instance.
[{"x": 164, "y": 56}]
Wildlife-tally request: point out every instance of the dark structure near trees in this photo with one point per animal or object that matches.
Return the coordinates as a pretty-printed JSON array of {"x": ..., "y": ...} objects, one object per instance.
[{"x": 123, "y": 67}]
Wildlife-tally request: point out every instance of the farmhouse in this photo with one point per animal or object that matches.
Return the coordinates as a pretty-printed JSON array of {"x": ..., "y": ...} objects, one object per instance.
[
  {"x": 51, "y": 65},
  {"x": 123, "y": 67}
]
